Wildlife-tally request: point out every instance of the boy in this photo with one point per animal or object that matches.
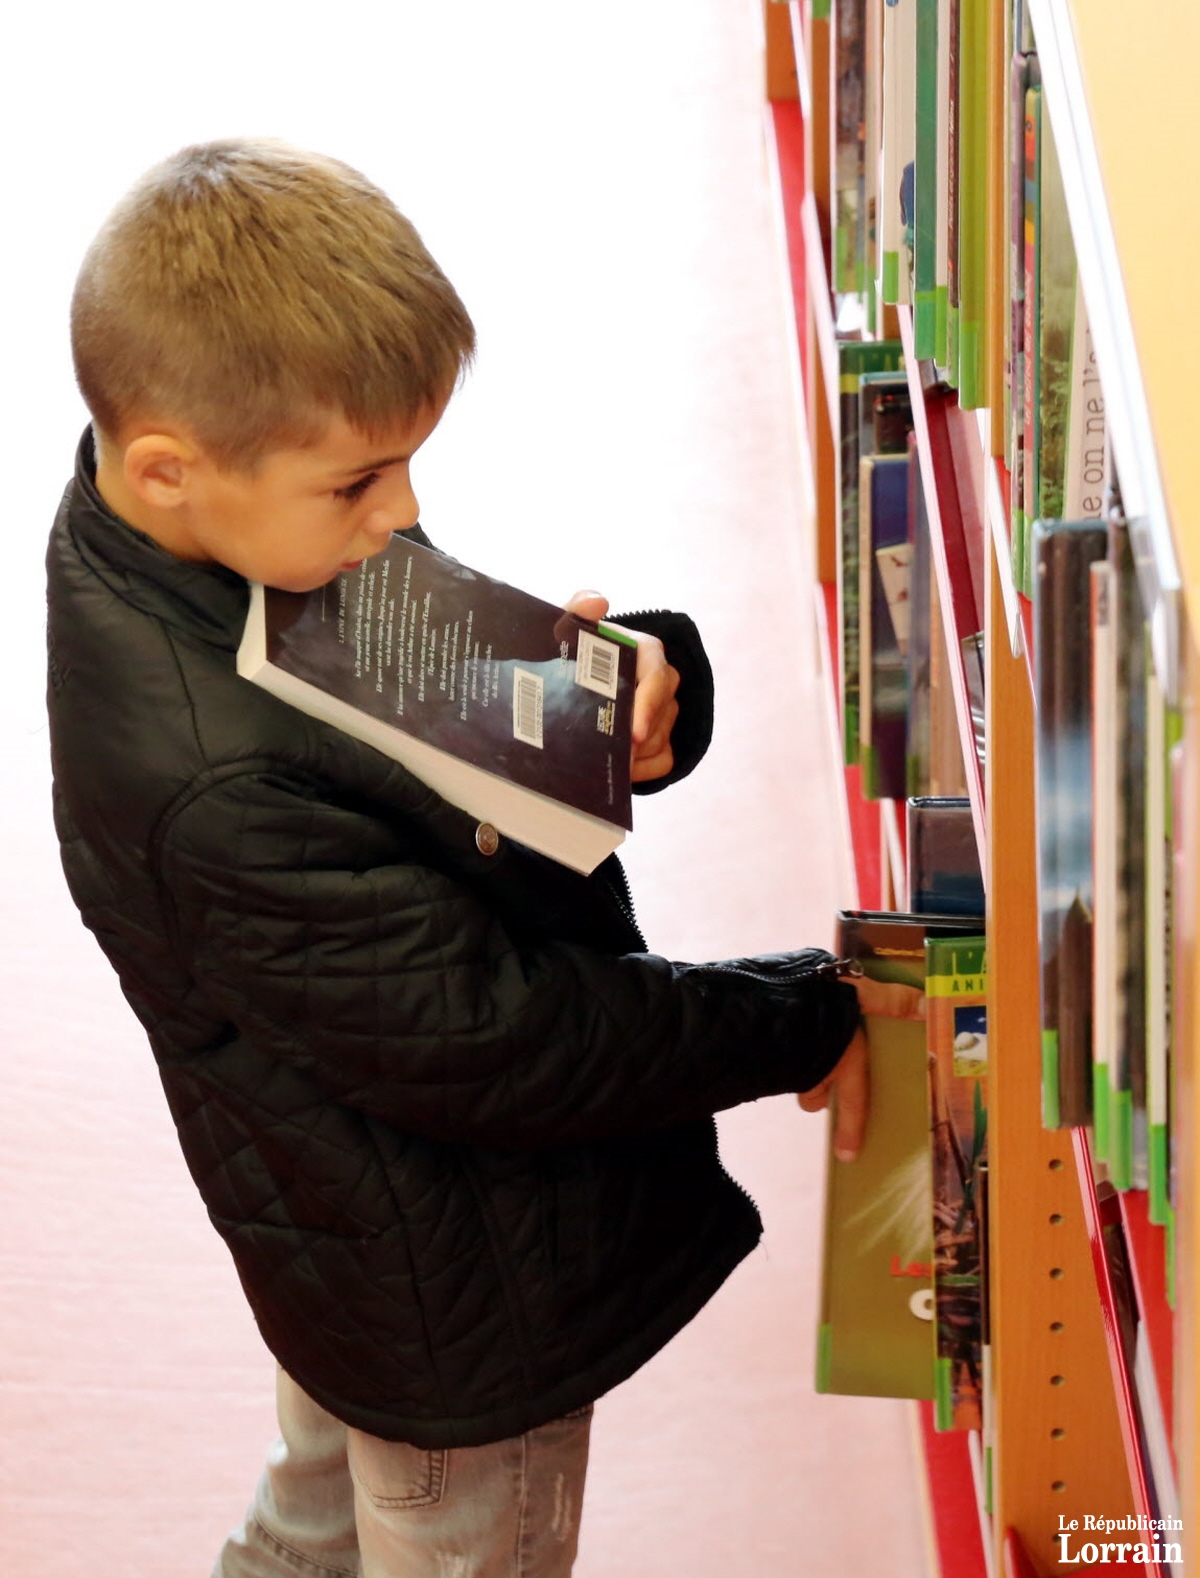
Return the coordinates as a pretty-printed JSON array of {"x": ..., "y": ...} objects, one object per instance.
[{"x": 452, "y": 1120}]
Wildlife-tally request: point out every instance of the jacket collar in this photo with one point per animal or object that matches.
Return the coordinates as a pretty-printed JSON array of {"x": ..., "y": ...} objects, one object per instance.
[{"x": 205, "y": 600}]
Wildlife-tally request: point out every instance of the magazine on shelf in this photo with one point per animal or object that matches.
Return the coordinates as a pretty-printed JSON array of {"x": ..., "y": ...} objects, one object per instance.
[
  {"x": 885, "y": 556},
  {"x": 856, "y": 359},
  {"x": 898, "y": 150},
  {"x": 1127, "y": 1060},
  {"x": 1086, "y": 457},
  {"x": 511, "y": 709},
  {"x": 1063, "y": 553},
  {"x": 1105, "y": 777},
  {"x": 973, "y": 93},
  {"x": 1030, "y": 394},
  {"x": 956, "y": 1031},
  {"x": 876, "y": 1335},
  {"x": 1164, "y": 936},
  {"x": 944, "y": 874},
  {"x": 848, "y": 146},
  {"x": 925, "y": 184}
]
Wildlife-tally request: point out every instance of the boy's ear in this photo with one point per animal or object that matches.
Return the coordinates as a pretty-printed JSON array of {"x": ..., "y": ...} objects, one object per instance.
[{"x": 157, "y": 468}]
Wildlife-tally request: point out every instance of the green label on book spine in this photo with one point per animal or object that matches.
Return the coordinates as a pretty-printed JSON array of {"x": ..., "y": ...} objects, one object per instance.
[
  {"x": 820, "y": 10},
  {"x": 1100, "y": 1090},
  {"x": 970, "y": 393},
  {"x": 925, "y": 324},
  {"x": 1050, "y": 1108},
  {"x": 1159, "y": 1158},
  {"x": 824, "y": 1356},
  {"x": 890, "y": 282},
  {"x": 1120, "y": 1138},
  {"x": 942, "y": 305},
  {"x": 943, "y": 1396}
]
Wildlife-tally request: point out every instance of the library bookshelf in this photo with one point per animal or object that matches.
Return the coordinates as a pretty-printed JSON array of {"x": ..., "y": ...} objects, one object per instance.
[{"x": 1061, "y": 1441}]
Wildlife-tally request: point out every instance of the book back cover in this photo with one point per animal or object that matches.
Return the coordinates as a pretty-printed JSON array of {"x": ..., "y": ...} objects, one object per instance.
[{"x": 491, "y": 675}]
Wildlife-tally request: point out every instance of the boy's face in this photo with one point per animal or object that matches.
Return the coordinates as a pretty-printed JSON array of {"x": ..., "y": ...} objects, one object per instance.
[{"x": 304, "y": 514}]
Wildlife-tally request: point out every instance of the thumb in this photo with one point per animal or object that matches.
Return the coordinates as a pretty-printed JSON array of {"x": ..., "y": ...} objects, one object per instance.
[{"x": 587, "y": 605}]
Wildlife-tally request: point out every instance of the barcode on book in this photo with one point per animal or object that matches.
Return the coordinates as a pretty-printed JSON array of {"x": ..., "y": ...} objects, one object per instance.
[
  {"x": 527, "y": 707},
  {"x": 596, "y": 664}
]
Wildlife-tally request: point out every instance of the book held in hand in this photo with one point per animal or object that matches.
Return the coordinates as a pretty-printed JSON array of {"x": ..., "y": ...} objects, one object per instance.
[
  {"x": 509, "y": 708},
  {"x": 876, "y": 1334}
]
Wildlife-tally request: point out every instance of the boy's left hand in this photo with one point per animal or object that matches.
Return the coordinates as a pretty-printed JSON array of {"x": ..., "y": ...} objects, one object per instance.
[{"x": 654, "y": 706}]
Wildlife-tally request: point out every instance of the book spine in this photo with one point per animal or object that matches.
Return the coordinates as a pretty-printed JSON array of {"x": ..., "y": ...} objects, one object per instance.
[
  {"x": 925, "y": 184},
  {"x": 953, "y": 172},
  {"x": 972, "y": 202},
  {"x": 1030, "y": 389}
]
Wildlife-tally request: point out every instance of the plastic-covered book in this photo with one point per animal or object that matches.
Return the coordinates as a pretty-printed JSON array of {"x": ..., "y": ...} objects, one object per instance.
[
  {"x": 516, "y": 712},
  {"x": 1063, "y": 552},
  {"x": 956, "y": 1021},
  {"x": 876, "y": 1332}
]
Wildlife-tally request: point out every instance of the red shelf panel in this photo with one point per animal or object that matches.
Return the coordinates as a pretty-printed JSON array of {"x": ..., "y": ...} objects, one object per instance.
[
  {"x": 953, "y": 1507},
  {"x": 1099, "y": 1213}
]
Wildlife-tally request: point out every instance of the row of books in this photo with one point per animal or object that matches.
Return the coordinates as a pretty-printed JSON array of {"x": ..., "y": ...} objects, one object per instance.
[
  {"x": 910, "y": 90},
  {"x": 903, "y": 1300},
  {"x": 1108, "y": 764},
  {"x": 918, "y": 87}
]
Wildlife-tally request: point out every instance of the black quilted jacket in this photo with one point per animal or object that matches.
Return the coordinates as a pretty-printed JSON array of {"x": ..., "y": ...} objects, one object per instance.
[{"x": 451, "y": 1118}]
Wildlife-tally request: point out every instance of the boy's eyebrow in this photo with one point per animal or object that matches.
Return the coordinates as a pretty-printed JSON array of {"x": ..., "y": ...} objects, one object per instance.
[{"x": 373, "y": 465}]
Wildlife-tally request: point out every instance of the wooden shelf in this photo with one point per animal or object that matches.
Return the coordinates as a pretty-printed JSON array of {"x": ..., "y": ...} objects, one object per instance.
[{"x": 1059, "y": 1422}]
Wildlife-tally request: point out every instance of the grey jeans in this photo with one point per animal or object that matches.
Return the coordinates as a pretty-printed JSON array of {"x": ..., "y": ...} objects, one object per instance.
[{"x": 335, "y": 1503}]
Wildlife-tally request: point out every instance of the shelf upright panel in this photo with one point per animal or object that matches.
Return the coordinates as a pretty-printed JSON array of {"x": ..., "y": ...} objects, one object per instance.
[
  {"x": 781, "y": 76},
  {"x": 1057, "y": 1431},
  {"x": 1099, "y": 1215}
]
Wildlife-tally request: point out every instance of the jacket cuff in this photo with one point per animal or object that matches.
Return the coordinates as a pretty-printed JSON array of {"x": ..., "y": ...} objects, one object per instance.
[{"x": 692, "y": 734}]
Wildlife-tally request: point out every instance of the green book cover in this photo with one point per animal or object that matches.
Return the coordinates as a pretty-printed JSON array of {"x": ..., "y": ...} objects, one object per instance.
[
  {"x": 876, "y": 1335},
  {"x": 956, "y": 1029},
  {"x": 972, "y": 200}
]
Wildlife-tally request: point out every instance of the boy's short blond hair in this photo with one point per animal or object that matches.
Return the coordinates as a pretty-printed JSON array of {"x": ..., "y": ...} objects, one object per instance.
[{"x": 250, "y": 290}]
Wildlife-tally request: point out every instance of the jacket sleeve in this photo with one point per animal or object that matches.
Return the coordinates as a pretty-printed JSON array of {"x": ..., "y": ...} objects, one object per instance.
[
  {"x": 396, "y": 989},
  {"x": 692, "y": 734}
]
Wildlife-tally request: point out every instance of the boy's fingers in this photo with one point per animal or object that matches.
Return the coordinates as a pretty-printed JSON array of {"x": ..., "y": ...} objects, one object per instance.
[
  {"x": 851, "y": 1083},
  {"x": 889, "y": 999}
]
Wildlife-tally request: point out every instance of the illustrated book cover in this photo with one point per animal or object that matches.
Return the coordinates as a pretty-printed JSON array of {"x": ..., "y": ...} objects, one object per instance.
[
  {"x": 876, "y": 1336},
  {"x": 956, "y": 1029}
]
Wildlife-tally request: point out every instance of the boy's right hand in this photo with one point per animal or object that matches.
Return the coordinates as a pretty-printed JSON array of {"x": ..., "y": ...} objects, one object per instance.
[{"x": 849, "y": 1077}]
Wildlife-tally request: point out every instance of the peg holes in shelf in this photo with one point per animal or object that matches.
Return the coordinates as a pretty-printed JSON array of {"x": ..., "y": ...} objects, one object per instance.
[
  {"x": 1058, "y": 1433},
  {"x": 1056, "y": 1164},
  {"x": 1056, "y": 1219},
  {"x": 1056, "y": 1273}
]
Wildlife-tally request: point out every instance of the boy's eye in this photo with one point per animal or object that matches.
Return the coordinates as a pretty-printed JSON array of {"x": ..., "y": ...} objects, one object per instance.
[{"x": 355, "y": 490}]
